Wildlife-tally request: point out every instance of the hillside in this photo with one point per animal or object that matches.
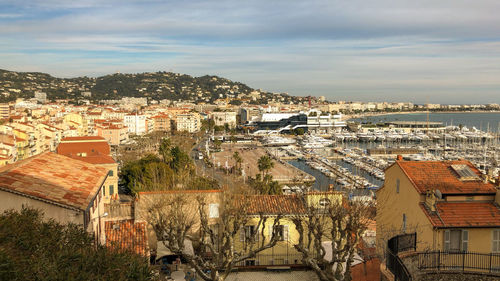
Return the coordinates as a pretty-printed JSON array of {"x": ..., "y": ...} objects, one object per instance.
[{"x": 156, "y": 86}]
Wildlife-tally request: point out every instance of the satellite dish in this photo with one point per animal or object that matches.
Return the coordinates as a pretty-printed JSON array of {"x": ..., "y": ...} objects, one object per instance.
[{"x": 438, "y": 194}]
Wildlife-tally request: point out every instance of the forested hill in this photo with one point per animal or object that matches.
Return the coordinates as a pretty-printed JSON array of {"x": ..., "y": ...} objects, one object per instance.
[{"x": 156, "y": 85}]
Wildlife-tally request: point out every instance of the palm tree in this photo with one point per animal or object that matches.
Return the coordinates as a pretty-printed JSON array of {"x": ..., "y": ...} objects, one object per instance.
[
  {"x": 265, "y": 164},
  {"x": 237, "y": 159}
]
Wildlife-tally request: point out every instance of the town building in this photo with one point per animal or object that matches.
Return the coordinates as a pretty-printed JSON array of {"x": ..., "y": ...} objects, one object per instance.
[
  {"x": 188, "y": 122},
  {"x": 65, "y": 189},
  {"x": 94, "y": 150},
  {"x": 136, "y": 124},
  {"x": 4, "y": 111},
  {"x": 221, "y": 118},
  {"x": 162, "y": 123},
  {"x": 446, "y": 206}
]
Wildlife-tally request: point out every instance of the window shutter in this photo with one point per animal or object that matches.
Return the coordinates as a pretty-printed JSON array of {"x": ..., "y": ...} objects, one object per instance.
[
  {"x": 465, "y": 240},
  {"x": 446, "y": 240},
  {"x": 213, "y": 211},
  {"x": 285, "y": 233},
  {"x": 242, "y": 234},
  {"x": 496, "y": 241},
  {"x": 257, "y": 234},
  {"x": 103, "y": 190}
]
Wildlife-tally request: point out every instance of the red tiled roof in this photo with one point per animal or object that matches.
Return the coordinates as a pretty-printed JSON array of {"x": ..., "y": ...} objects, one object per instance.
[
  {"x": 181, "y": 191},
  {"x": 95, "y": 159},
  {"x": 90, "y": 148},
  {"x": 83, "y": 138},
  {"x": 53, "y": 177},
  {"x": 275, "y": 204},
  {"x": 430, "y": 175},
  {"x": 464, "y": 214},
  {"x": 127, "y": 235}
]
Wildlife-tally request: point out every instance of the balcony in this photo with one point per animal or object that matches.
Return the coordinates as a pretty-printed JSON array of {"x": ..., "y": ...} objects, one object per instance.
[{"x": 261, "y": 260}]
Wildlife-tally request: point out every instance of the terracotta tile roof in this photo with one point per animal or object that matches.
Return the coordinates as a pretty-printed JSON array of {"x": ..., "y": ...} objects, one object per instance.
[
  {"x": 91, "y": 148},
  {"x": 95, "y": 159},
  {"x": 276, "y": 204},
  {"x": 53, "y": 177},
  {"x": 127, "y": 235},
  {"x": 430, "y": 175},
  {"x": 95, "y": 138},
  {"x": 464, "y": 214},
  {"x": 180, "y": 191}
]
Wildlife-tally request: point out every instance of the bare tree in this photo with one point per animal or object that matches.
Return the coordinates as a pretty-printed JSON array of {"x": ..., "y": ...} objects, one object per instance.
[
  {"x": 212, "y": 231},
  {"x": 328, "y": 234}
]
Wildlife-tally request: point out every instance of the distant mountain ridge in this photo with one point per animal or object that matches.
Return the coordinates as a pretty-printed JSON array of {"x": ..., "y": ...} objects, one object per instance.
[{"x": 155, "y": 85}]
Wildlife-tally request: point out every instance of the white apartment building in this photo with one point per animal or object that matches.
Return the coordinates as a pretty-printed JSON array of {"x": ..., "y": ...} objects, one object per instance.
[
  {"x": 136, "y": 124},
  {"x": 4, "y": 111},
  {"x": 226, "y": 117},
  {"x": 189, "y": 122}
]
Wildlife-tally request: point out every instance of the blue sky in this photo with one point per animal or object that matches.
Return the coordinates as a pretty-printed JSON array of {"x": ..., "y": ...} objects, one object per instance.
[{"x": 396, "y": 50}]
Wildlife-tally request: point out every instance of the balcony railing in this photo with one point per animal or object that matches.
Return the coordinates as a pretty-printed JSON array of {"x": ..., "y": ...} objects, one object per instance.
[
  {"x": 272, "y": 260},
  {"x": 395, "y": 245},
  {"x": 460, "y": 261}
]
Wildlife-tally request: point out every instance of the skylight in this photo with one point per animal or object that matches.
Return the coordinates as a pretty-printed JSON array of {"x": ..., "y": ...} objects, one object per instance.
[{"x": 464, "y": 172}]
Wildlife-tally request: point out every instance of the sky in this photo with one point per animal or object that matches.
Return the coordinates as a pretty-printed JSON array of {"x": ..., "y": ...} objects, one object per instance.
[{"x": 445, "y": 51}]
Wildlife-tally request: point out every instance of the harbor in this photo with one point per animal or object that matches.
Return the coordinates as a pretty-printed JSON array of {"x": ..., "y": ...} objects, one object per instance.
[{"x": 356, "y": 161}]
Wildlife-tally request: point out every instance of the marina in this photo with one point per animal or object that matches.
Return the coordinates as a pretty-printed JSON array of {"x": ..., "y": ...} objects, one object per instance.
[{"x": 354, "y": 161}]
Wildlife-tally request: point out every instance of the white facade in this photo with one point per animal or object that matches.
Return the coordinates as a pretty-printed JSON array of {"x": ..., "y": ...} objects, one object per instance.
[
  {"x": 189, "y": 122},
  {"x": 221, "y": 118},
  {"x": 136, "y": 124}
]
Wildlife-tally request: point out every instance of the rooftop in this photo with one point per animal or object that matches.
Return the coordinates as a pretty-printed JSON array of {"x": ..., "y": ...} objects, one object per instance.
[
  {"x": 276, "y": 204},
  {"x": 127, "y": 235},
  {"x": 464, "y": 214},
  {"x": 55, "y": 178},
  {"x": 431, "y": 175},
  {"x": 90, "y": 146}
]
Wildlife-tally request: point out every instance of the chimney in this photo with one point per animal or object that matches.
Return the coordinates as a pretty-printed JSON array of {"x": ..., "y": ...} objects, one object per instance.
[{"x": 399, "y": 157}]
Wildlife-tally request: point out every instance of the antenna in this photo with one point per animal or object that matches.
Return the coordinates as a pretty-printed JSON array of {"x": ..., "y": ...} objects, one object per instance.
[{"x": 428, "y": 115}]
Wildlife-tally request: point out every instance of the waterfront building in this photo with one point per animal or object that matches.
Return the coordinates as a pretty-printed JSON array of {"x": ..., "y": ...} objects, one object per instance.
[{"x": 313, "y": 121}]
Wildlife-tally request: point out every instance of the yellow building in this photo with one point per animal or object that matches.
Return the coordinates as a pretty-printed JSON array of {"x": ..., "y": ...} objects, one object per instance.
[
  {"x": 287, "y": 207},
  {"x": 75, "y": 120},
  {"x": 449, "y": 205}
]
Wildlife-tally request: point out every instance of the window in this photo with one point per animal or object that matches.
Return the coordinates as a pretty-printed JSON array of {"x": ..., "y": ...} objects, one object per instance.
[
  {"x": 247, "y": 231},
  {"x": 281, "y": 232},
  {"x": 496, "y": 241},
  {"x": 103, "y": 191},
  {"x": 111, "y": 190},
  {"x": 404, "y": 223},
  {"x": 456, "y": 240},
  {"x": 213, "y": 211},
  {"x": 397, "y": 185},
  {"x": 110, "y": 173}
]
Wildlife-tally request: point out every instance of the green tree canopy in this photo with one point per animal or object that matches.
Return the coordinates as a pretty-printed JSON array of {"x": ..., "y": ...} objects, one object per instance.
[{"x": 33, "y": 248}]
